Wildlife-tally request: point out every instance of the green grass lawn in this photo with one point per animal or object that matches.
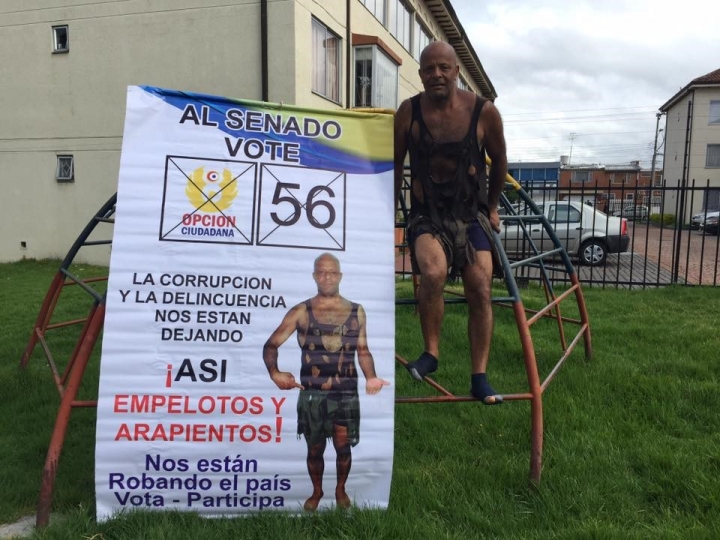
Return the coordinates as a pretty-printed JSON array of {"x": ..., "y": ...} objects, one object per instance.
[{"x": 632, "y": 437}]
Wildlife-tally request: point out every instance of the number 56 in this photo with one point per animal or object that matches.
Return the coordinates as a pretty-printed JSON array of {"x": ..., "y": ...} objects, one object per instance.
[{"x": 310, "y": 205}]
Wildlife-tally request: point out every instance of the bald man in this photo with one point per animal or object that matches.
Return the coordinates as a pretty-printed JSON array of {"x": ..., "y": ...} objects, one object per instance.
[
  {"x": 330, "y": 331},
  {"x": 447, "y": 132}
]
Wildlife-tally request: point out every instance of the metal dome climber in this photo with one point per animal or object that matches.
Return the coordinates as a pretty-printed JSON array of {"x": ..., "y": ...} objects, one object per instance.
[
  {"x": 69, "y": 381},
  {"x": 525, "y": 318}
]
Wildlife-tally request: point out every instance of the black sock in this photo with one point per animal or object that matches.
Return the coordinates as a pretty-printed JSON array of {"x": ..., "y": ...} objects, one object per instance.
[{"x": 481, "y": 389}]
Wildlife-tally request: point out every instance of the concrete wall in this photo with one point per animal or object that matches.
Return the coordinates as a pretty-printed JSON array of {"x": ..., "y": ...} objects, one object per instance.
[{"x": 75, "y": 102}]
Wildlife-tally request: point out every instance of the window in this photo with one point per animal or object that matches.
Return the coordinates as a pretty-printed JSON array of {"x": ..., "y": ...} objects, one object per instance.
[
  {"x": 564, "y": 213},
  {"x": 712, "y": 159},
  {"x": 714, "y": 116},
  {"x": 421, "y": 39},
  {"x": 461, "y": 84},
  {"x": 399, "y": 17},
  {"x": 618, "y": 178},
  {"x": 711, "y": 198},
  {"x": 61, "y": 43},
  {"x": 65, "y": 170},
  {"x": 377, "y": 8},
  {"x": 376, "y": 78},
  {"x": 326, "y": 62},
  {"x": 581, "y": 176},
  {"x": 629, "y": 197}
]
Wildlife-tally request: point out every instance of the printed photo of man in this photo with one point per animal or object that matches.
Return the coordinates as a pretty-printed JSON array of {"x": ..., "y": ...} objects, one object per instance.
[{"x": 331, "y": 331}]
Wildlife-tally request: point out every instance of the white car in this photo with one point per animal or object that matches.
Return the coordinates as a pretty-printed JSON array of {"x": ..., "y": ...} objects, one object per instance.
[{"x": 584, "y": 232}]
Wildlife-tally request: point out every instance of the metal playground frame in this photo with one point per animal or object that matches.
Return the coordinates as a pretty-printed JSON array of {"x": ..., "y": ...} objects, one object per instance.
[{"x": 69, "y": 381}]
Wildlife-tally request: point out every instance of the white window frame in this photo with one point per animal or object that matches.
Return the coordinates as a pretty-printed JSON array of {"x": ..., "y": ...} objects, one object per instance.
[
  {"x": 327, "y": 91},
  {"x": 419, "y": 31},
  {"x": 58, "y": 46},
  {"x": 714, "y": 112},
  {"x": 395, "y": 21},
  {"x": 62, "y": 173},
  {"x": 712, "y": 155},
  {"x": 377, "y": 8},
  {"x": 376, "y": 52}
]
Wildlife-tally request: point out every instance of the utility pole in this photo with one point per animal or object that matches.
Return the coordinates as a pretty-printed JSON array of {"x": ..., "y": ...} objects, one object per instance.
[
  {"x": 654, "y": 157},
  {"x": 572, "y": 138}
]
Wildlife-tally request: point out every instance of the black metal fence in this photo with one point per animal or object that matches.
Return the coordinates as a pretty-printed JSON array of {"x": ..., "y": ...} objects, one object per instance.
[{"x": 666, "y": 246}]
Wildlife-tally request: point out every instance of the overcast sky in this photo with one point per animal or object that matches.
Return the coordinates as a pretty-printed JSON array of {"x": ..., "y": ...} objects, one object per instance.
[{"x": 597, "y": 69}]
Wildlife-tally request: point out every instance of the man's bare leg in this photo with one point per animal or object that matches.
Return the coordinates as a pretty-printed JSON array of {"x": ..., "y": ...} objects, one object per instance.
[
  {"x": 477, "y": 282},
  {"x": 316, "y": 468},
  {"x": 343, "y": 464},
  {"x": 432, "y": 263}
]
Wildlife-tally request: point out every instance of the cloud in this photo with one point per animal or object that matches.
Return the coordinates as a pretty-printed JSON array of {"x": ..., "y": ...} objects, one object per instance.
[{"x": 599, "y": 70}]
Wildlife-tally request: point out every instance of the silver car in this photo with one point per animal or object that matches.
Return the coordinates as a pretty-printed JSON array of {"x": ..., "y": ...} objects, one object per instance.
[
  {"x": 634, "y": 213},
  {"x": 584, "y": 232}
]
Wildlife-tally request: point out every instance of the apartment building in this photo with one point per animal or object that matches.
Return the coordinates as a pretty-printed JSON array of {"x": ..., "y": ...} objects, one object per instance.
[
  {"x": 65, "y": 67},
  {"x": 692, "y": 146}
]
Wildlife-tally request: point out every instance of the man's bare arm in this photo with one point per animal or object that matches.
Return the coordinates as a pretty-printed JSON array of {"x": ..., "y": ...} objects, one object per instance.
[
  {"x": 290, "y": 323},
  {"x": 373, "y": 384},
  {"x": 402, "y": 124},
  {"x": 494, "y": 142}
]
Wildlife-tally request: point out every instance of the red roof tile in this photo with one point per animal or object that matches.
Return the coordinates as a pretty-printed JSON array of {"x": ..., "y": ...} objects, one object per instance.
[{"x": 710, "y": 78}]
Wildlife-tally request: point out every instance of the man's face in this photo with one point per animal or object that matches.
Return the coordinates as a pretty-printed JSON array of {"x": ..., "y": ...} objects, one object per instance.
[
  {"x": 438, "y": 73},
  {"x": 327, "y": 275}
]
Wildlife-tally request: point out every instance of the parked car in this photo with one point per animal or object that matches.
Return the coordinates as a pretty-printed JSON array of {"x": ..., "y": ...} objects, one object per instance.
[
  {"x": 698, "y": 220},
  {"x": 633, "y": 213},
  {"x": 584, "y": 232},
  {"x": 710, "y": 225}
]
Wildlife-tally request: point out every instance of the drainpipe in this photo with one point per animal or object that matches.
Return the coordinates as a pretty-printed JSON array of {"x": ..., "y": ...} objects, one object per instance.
[
  {"x": 264, "y": 48},
  {"x": 348, "y": 55}
]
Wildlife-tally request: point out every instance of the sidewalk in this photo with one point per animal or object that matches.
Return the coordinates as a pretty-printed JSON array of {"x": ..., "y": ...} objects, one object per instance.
[
  {"x": 698, "y": 261},
  {"x": 20, "y": 529}
]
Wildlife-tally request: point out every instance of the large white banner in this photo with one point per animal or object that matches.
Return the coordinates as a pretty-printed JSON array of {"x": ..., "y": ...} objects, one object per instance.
[{"x": 249, "y": 336}]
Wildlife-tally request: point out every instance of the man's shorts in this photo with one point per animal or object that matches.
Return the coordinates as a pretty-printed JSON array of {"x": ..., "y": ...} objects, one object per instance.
[
  {"x": 318, "y": 411},
  {"x": 455, "y": 238}
]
